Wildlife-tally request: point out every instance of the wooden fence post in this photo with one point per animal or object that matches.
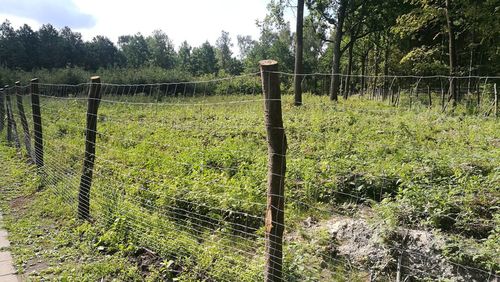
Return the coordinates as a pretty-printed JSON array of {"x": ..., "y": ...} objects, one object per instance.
[
  {"x": 90, "y": 139},
  {"x": 416, "y": 90},
  {"x": 442, "y": 96},
  {"x": 496, "y": 99},
  {"x": 430, "y": 95},
  {"x": 399, "y": 96},
  {"x": 7, "y": 115},
  {"x": 478, "y": 93},
  {"x": 11, "y": 122},
  {"x": 411, "y": 97},
  {"x": 24, "y": 121},
  {"x": 2, "y": 109},
  {"x": 277, "y": 146},
  {"x": 37, "y": 122}
]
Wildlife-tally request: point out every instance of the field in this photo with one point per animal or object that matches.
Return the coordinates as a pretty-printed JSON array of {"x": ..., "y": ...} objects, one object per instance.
[{"x": 182, "y": 183}]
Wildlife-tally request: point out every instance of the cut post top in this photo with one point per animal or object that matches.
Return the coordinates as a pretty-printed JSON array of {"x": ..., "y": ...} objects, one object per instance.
[
  {"x": 268, "y": 62},
  {"x": 95, "y": 79},
  {"x": 17, "y": 83},
  {"x": 34, "y": 80}
]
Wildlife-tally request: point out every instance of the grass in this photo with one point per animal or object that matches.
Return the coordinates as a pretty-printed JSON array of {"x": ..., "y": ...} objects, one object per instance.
[{"x": 187, "y": 179}]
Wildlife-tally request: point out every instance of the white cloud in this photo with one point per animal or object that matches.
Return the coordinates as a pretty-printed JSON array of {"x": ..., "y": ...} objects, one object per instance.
[
  {"x": 59, "y": 13},
  {"x": 193, "y": 20},
  {"x": 17, "y": 21}
]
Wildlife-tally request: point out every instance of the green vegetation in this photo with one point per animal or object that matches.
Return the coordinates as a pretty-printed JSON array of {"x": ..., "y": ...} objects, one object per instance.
[
  {"x": 179, "y": 188},
  {"x": 394, "y": 37},
  {"x": 186, "y": 179},
  {"x": 46, "y": 240}
]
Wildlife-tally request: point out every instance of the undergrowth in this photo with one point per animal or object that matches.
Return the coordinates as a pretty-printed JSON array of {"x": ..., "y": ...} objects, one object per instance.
[{"x": 195, "y": 176}]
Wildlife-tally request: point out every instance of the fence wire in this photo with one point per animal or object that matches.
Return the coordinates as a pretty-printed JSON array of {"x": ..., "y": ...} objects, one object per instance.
[{"x": 180, "y": 169}]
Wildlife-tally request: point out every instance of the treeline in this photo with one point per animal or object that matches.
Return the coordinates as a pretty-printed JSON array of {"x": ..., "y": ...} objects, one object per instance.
[
  {"x": 371, "y": 37},
  {"x": 49, "y": 48}
]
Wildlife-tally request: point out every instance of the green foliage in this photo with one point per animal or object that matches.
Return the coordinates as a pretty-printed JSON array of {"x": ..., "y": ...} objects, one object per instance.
[
  {"x": 46, "y": 240},
  {"x": 143, "y": 75},
  {"x": 388, "y": 37},
  {"x": 192, "y": 174},
  {"x": 135, "y": 49},
  {"x": 423, "y": 61},
  {"x": 203, "y": 60},
  {"x": 161, "y": 48},
  {"x": 101, "y": 52}
]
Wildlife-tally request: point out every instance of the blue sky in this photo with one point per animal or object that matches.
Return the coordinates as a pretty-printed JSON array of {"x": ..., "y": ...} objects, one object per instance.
[
  {"x": 58, "y": 12},
  {"x": 193, "y": 20}
]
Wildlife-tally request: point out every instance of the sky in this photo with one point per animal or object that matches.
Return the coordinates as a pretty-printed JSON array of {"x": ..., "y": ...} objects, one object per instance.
[{"x": 192, "y": 20}]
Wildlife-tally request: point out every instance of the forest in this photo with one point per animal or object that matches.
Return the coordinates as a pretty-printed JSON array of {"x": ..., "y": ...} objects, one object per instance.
[
  {"x": 417, "y": 37},
  {"x": 351, "y": 141}
]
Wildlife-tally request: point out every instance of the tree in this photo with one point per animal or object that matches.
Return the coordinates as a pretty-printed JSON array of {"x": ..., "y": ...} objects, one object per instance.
[
  {"x": 50, "y": 48},
  {"x": 161, "y": 50},
  {"x": 73, "y": 47},
  {"x": 10, "y": 47},
  {"x": 275, "y": 42},
  {"x": 299, "y": 43},
  {"x": 101, "y": 52},
  {"x": 203, "y": 60},
  {"x": 135, "y": 49},
  {"x": 335, "y": 83},
  {"x": 30, "y": 44},
  {"x": 245, "y": 45},
  {"x": 184, "y": 56},
  {"x": 225, "y": 59},
  {"x": 483, "y": 34},
  {"x": 429, "y": 21},
  {"x": 451, "y": 49},
  {"x": 223, "y": 52},
  {"x": 333, "y": 13}
]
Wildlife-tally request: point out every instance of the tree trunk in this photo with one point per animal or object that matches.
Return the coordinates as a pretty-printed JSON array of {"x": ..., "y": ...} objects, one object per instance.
[
  {"x": 299, "y": 67},
  {"x": 470, "y": 70},
  {"x": 386, "y": 66},
  {"x": 335, "y": 80},
  {"x": 363, "y": 72},
  {"x": 376, "y": 63},
  {"x": 349, "y": 70},
  {"x": 452, "y": 52}
]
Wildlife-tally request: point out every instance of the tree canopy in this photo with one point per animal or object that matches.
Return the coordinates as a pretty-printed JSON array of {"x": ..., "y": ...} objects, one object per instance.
[{"x": 340, "y": 36}]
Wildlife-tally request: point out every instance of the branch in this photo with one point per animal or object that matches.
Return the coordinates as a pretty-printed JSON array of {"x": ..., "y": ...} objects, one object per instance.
[
  {"x": 320, "y": 34},
  {"x": 328, "y": 19}
]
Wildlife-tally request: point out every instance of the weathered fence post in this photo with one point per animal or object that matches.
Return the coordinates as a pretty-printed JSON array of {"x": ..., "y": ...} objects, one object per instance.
[
  {"x": 442, "y": 95},
  {"x": 24, "y": 121},
  {"x": 7, "y": 115},
  {"x": 2, "y": 109},
  {"x": 496, "y": 99},
  {"x": 411, "y": 97},
  {"x": 399, "y": 96},
  {"x": 416, "y": 90},
  {"x": 37, "y": 122},
  {"x": 391, "y": 91},
  {"x": 277, "y": 145},
  {"x": 11, "y": 122},
  {"x": 478, "y": 93},
  {"x": 90, "y": 139},
  {"x": 430, "y": 95},
  {"x": 485, "y": 87}
]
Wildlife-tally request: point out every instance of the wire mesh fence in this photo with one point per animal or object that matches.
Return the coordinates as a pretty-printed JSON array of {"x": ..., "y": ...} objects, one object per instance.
[{"x": 183, "y": 169}]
